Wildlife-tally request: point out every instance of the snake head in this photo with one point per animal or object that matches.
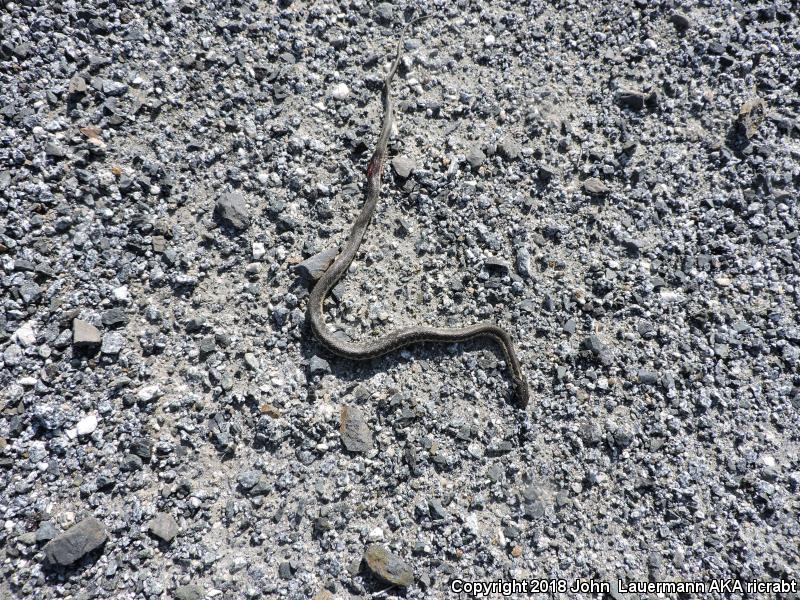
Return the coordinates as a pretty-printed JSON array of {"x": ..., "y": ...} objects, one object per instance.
[{"x": 521, "y": 391}]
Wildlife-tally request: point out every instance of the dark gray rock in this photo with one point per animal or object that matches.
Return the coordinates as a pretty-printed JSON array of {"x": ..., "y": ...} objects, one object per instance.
[
  {"x": 636, "y": 100},
  {"x": 46, "y": 532},
  {"x": 195, "y": 324},
  {"x": 75, "y": 543},
  {"x": 285, "y": 570},
  {"x": 387, "y": 567},
  {"x": 546, "y": 172},
  {"x": 131, "y": 462},
  {"x": 189, "y": 592},
  {"x": 114, "y": 317},
  {"x": 231, "y": 209},
  {"x": 164, "y": 527},
  {"x": 315, "y": 266},
  {"x": 55, "y": 150},
  {"x": 680, "y": 21},
  {"x": 437, "y": 511},
  {"x": 142, "y": 447},
  {"x": 647, "y": 377},
  {"x": 593, "y": 345},
  {"x": 318, "y": 366},
  {"x": 356, "y": 435}
]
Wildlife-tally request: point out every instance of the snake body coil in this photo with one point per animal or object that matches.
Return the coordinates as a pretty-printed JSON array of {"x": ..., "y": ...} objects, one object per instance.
[{"x": 411, "y": 335}]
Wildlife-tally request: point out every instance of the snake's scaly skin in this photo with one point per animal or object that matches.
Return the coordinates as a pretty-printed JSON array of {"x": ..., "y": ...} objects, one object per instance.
[{"x": 410, "y": 335}]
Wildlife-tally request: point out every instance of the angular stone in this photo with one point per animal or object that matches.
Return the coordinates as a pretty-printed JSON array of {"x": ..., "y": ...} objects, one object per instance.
[
  {"x": 87, "y": 425},
  {"x": 112, "y": 343},
  {"x": 475, "y": 157},
  {"x": 356, "y": 435},
  {"x": 114, "y": 317},
  {"x": 318, "y": 366},
  {"x": 595, "y": 187},
  {"x": 546, "y": 172},
  {"x": 403, "y": 166},
  {"x": 631, "y": 99},
  {"x": 387, "y": 567},
  {"x": 55, "y": 150},
  {"x": 85, "y": 335},
  {"x": 46, "y": 532},
  {"x": 76, "y": 542},
  {"x": 315, "y": 266},
  {"x": 190, "y": 592},
  {"x": 680, "y": 21},
  {"x": 232, "y": 210},
  {"x": 164, "y": 527},
  {"x": 30, "y": 292}
]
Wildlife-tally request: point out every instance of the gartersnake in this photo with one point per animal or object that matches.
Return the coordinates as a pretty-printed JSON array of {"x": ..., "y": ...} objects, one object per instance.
[{"x": 410, "y": 335}]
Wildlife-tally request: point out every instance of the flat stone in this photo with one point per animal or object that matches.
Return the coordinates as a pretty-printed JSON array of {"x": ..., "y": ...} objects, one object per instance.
[
  {"x": 46, "y": 532},
  {"x": 647, "y": 377},
  {"x": 85, "y": 335},
  {"x": 387, "y": 567},
  {"x": 189, "y": 592},
  {"x": 164, "y": 527},
  {"x": 232, "y": 210},
  {"x": 356, "y": 435},
  {"x": 636, "y": 100},
  {"x": 114, "y": 317},
  {"x": 76, "y": 542},
  {"x": 595, "y": 187},
  {"x": 55, "y": 150},
  {"x": 315, "y": 266},
  {"x": 77, "y": 85},
  {"x": 403, "y": 166},
  {"x": 318, "y": 366},
  {"x": 87, "y": 425},
  {"x": 148, "y": 393}
]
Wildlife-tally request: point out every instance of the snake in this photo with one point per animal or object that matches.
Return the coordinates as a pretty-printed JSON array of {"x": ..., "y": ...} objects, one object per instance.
[{"x": 400, "y": 338}]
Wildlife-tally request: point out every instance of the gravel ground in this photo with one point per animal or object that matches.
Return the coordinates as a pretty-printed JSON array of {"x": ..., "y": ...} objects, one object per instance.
[{"x": 617, "y": 185}]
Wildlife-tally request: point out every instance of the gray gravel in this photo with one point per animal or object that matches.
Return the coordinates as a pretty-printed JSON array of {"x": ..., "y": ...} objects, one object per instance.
[{"x": 617, "y": 184}]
